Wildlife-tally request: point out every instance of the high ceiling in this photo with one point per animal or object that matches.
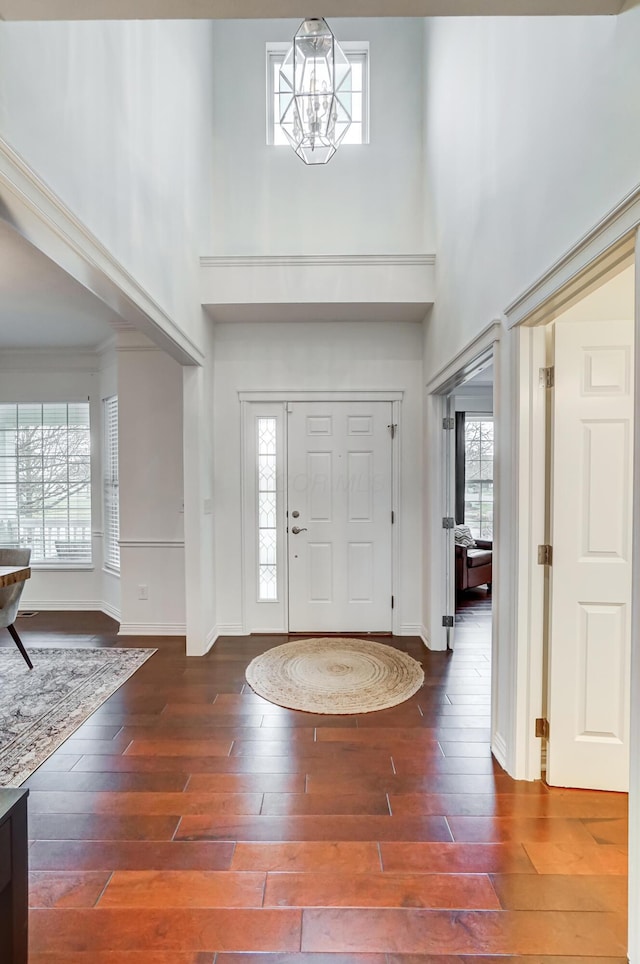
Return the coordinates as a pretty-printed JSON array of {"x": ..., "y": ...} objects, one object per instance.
[{"x": 256, "y": 9}]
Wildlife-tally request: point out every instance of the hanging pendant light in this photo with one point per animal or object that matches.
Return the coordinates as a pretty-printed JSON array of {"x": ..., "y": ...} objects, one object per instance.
[{"x": 315, "y": 93}]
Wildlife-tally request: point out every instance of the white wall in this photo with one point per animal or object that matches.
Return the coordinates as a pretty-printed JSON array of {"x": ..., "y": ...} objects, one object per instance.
[
  {"x": 533, "y": 134},
  {"x": 115, "y": 117},
  {"x": 367, "y": 200},
  {"x": 151, "y": 489},
  {"x": 33, "y": 376},
  {"x": 315, "y": 357}
]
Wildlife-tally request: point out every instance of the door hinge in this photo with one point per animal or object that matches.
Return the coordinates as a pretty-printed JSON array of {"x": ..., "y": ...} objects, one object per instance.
[
  {"x": 393, "y": 429},
  {"x": 448, "y": 424},
  {"x": 448, "y": 621},
  {"x": 393, "y": 601},
  {"x": 542, "y": 728},
  {"x": 545, "y": 555},
  {"x": 448, "y": 522},
  {"x": 547, "y": 377},
  {"x": 393, "y": 517}
]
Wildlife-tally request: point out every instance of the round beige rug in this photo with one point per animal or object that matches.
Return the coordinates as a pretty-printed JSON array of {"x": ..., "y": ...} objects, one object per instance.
[{"x": 335, "y": 675}]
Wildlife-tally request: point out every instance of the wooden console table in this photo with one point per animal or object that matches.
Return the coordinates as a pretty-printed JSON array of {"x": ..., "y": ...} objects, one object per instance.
[{"x": 14, "y": 887}]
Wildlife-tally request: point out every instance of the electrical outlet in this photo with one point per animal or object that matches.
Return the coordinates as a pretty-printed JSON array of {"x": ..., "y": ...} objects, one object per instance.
[{"x": 143, "y": 592}]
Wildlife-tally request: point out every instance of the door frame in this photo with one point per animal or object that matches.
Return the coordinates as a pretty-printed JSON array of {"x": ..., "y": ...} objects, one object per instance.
[
  {"x": 614, "y": 239},
  {"x": 257, "y": 398}
]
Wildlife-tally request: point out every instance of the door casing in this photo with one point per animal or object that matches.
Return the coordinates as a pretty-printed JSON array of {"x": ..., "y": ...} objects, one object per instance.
[{"x": 254, "y": 402}]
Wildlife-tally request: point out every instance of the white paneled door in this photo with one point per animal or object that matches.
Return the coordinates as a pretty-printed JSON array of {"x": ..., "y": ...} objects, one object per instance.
[
  {"x": 591, "y": 578},
  {"x": 339, "y": 516}
]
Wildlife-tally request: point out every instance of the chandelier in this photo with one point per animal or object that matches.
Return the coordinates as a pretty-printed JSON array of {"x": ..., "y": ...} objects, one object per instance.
[{"x": 315, "y": 93}]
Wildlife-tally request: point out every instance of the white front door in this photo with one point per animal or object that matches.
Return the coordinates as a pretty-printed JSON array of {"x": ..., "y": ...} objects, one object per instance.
[
  {"x": 590, "y": 576},
  {"x": 339, "y": 516}
]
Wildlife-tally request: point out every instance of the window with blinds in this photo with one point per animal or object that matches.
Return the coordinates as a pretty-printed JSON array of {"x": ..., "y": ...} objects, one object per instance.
[
  {"x": 45, "y": 481},
  {"x": 111, "y": 508}
]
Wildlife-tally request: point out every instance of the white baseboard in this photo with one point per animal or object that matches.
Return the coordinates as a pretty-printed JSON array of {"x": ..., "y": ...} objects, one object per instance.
[
  {"x": 499, "y": 750},
  {"x": 424, "y": 636},
  {"x": 110, "y": 610},
  {"x": 60, "y": 605},
  {"x": 152, "y": 629},
  {"x": 211, "y": 639},
  {"x": 230, "y": 629},
  {"x": 410, "y": 629}
]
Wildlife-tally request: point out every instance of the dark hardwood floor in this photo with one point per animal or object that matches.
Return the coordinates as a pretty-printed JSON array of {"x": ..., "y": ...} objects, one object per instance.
[{"x": 188, "y": 821}]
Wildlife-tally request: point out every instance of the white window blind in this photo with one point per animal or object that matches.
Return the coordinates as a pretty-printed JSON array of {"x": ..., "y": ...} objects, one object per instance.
[
  {"x": 110, "y": 491},
  {"x": 45, "y": 481}
]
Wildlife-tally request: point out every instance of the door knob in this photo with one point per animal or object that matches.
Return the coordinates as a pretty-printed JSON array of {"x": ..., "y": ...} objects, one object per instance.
[{"x": 297, "y": 529}]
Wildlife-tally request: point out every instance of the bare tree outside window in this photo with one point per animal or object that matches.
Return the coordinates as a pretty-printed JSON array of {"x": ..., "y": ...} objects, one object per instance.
[
  {"x": 478, "y": 495},
  {"x": 45, "y": 480}
]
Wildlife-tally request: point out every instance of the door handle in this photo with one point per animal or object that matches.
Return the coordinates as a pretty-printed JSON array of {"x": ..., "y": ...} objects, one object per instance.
[{"x": 297, "y": 529}]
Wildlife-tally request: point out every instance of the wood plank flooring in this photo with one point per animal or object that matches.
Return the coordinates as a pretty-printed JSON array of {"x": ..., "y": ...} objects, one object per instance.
[{"x": 190, "y": 822}]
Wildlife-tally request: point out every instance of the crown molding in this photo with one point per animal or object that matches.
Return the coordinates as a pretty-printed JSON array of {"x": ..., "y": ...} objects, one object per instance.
[
  {"x": 315, "y": 260},
  {"x": 36, "y": 212},
  {"x": 612, "y": 238}
]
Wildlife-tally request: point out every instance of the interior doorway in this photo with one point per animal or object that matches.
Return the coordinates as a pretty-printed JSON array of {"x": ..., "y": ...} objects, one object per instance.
[{"x": 463, "y": 405}]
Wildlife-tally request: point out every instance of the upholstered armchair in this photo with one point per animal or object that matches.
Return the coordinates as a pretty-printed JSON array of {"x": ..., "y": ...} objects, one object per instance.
[
  {"x": 474, "y": 565},
  {"x": 10, "y": 596}
]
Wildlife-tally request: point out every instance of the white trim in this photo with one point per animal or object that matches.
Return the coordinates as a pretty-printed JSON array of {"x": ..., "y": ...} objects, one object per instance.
[
  {"x": 315, "y": 260},
  {"x": 110, "y": 610},
  {"x": 634, "y": 735},
  {"x": 211, "y": 639},
  {"x": 528, "y": 468},
  {"x": 410, "y": 629},
  {"x": 423, "y": 633},
  {"x": 396, "y": 507},
  {"x": 40, "y": 216},
  {"x": 230, "y": 629},
  {"x": 152, "y": 629},
  {"x": 282, "y": 397},
  {"x": 467, "y": 356},
  {"x": 61, "y": 567},
  {"x": 617, "y": 226},
  {"x": 64, "y": 605},
  {"x": 329, "y": 396},
  {"x": 499, "y": 749},
  {"x": 151, "y": 543}
]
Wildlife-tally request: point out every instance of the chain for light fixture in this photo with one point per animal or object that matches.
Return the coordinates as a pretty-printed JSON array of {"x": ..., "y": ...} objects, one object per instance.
[{"x": 315, "y": 93}]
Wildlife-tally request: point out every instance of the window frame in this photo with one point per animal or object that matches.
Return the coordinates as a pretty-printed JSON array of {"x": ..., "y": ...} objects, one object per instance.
[
  {"x": 355, "y": 50},
  {"x": 49, "y": 563},
  {"x": 480, "y": 417},
  {"x": 110, "y": 485}
]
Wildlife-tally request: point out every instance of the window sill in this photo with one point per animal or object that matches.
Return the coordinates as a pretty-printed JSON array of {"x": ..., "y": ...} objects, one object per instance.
[{"x": 61, "y": 567}]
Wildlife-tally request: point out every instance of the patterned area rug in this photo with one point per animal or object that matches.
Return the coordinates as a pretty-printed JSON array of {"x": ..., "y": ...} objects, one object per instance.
[
  {"x": 40, "y": 708},
  {"x": 330, "y": 675}
]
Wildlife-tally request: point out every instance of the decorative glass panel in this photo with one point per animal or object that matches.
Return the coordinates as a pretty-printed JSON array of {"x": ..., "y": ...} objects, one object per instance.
[{"x": 267, "y": 510}]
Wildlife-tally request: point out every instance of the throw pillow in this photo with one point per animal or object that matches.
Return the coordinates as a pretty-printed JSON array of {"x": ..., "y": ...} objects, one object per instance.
[{"x": 463, "y": 537}]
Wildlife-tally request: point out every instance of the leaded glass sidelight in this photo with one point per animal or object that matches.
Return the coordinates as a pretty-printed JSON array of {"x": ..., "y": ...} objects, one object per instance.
[{"x": 267, "y": 510}]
